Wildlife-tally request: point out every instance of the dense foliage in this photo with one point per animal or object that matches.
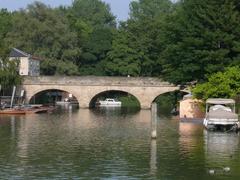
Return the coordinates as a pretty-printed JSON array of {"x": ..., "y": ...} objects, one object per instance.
[
  {"x": 8, "y": 75},
  {"x": 220, "y": 85},
  {"x": 203, "y": 38},
  {"x": 181, "y": 42}
]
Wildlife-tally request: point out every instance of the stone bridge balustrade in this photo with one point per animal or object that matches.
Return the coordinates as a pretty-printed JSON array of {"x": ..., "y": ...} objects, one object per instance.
[{"x": 85, "y": 88}]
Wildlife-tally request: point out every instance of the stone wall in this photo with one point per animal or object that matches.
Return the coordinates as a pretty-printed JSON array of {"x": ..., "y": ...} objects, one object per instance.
[{"x": 191, "y": 109}]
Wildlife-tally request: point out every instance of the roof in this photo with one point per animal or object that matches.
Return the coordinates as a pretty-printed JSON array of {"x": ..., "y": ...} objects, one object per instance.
[
  {"x": 18, "y": 53},
  {"x": 188, "y": 96},
  {"x": 220, "y": 101}
]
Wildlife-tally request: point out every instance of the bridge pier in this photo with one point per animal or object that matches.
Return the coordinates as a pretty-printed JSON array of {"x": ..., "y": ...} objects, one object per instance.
[{"x": 145, "y": 106}]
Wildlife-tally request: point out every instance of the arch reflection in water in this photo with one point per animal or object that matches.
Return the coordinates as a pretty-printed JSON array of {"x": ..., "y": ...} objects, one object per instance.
[{"x": 220, "y": 147}]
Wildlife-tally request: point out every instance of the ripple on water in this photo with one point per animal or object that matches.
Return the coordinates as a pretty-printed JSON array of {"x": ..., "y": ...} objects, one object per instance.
[{"x": 109, "y": 145}]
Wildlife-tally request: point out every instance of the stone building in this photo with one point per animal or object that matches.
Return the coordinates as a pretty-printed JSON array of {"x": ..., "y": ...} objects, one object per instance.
[
  {"x": 29, "y": 65},
  {"x": 190, "y": 108}
]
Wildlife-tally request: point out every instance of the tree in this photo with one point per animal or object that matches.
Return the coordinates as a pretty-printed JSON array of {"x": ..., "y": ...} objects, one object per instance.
[
  {"x": 95, "y": 50},
  {"x": 8, "y": 74},
  {"x": 123, "y": 59},
  {"x": 43, "y": 31},
  {"x": 220, "y": 85},
  {"x": 94, "y": 24},
  {"x": 50, "y": 67},
  {"x": 92, "y": 12},
  {"x": 202, "y": 38},
  {"x": 136, "y": 46},
  {"x": 5, "y": 26}
]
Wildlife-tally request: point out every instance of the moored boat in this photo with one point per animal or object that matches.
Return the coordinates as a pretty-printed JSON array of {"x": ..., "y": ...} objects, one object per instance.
[
  {"x": 62, "y": 102},
  {"x": 12, "y": 111},
  {"x": 26, "y": 110},
  {"x": 109, "y": 102},
  {"x": 220, "y": 115}
]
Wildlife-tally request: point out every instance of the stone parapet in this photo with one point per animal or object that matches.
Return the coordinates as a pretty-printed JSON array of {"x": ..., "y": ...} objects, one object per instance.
[{"x": 96, "y": 81}]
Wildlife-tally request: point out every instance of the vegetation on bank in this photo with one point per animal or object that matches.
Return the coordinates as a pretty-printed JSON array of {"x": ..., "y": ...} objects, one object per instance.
[
  {"x": 9, "y": 76},
  {"x": 169, "y": 102},
  {"x": 129, "y": 101},
  {"x": 222, "y": 84}
]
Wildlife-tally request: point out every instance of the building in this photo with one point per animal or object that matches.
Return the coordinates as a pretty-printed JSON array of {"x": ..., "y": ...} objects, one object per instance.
[
  {"x": 191, "y": 108},
  {"x": 28, "y": 65}
]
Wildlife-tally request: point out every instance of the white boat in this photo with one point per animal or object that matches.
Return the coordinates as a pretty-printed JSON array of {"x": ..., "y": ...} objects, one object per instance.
[
  {"x": 63, "y": 102},
  {"x": 220, "y": 115},
  {"x": 109, "y": 102}
]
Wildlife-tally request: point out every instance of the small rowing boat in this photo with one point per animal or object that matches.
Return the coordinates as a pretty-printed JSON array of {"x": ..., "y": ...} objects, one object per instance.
[{"x": 25, "y": 110}]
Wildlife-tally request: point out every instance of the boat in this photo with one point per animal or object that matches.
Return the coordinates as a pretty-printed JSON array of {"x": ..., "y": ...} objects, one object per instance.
[
  {"x": 26, "y": 110},
  {"x": 109, "y": 102},
  {"x": 62, "y": 102},
  {"x": 220, "y": 115}
]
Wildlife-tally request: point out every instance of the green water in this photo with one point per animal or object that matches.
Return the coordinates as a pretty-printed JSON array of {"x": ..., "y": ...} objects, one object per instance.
[{"x": 112, "y": 144}]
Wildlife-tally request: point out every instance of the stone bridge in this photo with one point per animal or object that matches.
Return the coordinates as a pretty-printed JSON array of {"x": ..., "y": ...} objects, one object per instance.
[{"x": 85, "y": 88}]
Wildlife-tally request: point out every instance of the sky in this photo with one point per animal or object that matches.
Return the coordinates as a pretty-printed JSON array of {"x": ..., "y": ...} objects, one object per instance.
[{"x": 120, "y": 8}]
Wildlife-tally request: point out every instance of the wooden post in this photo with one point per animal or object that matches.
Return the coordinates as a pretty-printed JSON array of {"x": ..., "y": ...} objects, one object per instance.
[
  {"x": 13, "y": 94},
  {"x": 154, "y": 121}
]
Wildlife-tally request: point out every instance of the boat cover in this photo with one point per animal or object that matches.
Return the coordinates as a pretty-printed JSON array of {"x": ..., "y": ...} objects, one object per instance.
[{"x": 221, "y": 114}]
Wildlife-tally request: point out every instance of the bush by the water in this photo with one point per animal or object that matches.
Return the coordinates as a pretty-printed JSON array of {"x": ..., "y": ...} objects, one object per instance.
[{"x": 129, "y": 101}]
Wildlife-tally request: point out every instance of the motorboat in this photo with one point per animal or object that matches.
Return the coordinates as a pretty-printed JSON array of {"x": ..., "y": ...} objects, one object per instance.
[
  {"x": 220, "y": 115},
  {"x": 66, "y": 101},
  {"x": 63, "y": 102},
  {"x": 109, "y": 102}
]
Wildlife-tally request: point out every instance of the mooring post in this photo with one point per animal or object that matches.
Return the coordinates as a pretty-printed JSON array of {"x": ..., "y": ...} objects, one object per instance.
[
  {"x": 13, "y": 94},
  {"x": 154, "y": 121}
]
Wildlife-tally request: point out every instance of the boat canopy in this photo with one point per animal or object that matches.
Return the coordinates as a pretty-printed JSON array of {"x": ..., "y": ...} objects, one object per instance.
[
  {"x": 221, "y": 114},
  {"x": 220, "y": 101}
]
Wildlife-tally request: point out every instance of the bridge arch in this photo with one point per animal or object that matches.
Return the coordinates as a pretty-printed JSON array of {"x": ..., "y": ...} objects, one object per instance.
[
  {"x": 169, "y": 101},
  {"x": 63, "y": 92},
  {"x": 113, "y": 93},
  {"x": 184, "y": 92}
]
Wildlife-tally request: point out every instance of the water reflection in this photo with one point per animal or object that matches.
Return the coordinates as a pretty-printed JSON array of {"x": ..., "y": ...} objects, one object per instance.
[
  {"x": 219, "y": 146},
  {"x": 153, "y": 159},
  {"x": 13, "y": 126},
  {"x": 113, "y": 111},
  {"x": 80, "y": 142},
  {"x": 189, "y": 137},
  {"x": 110, "y": 144}
]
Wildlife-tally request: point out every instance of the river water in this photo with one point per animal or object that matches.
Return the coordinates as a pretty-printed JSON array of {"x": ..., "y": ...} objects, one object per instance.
[{"x": 113, "y": 144}]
